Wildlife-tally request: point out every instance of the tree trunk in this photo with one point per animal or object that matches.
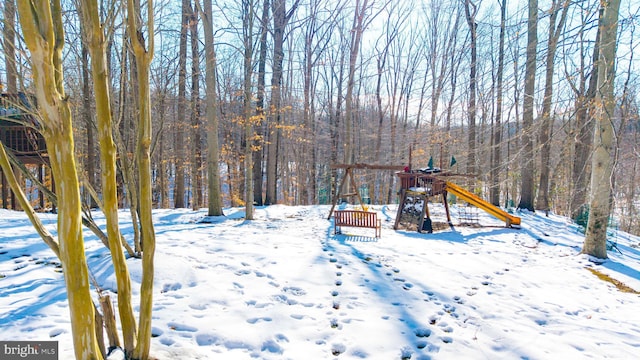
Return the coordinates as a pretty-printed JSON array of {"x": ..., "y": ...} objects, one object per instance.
[
  {"x": 595, "y": 242},
  {"x": 471, "y": 11},
  {"x": 259, "y": 150},
  {"x": 196, "y": 151},
  {"x": 496, "y": 153},
  {"x": 96, "y": 46},
  {"x": 90, "y": 162},
  {"x": 356, "y": 39},
  {"x": 143, "y": 161},
  {"x": 248, "y": 122},
  {"x": 278, "y": 10},
  {"x": 584, "y": 131},
  {"x": 43, "y": 34},
  {"x": 528, "y": 166},
  {"x": 543, "y": 202},
  {"x": 280, "y": 19},
  {"x": 213, "y": 159},
  {"x": 9, "y": 37},
  {"x": 180, "y": 158}
]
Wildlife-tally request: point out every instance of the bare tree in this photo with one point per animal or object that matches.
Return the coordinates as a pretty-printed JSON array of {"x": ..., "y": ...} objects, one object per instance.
[
  {"x": 595, "y": 242},
  {"x": 583, "y": 127},
  {"x": 181, "y": 120},
  {"x": 41, "y": 24},
  {"x": 143, "y": 54},
  {"x": 96, "y": 45},
  {"x": 281, "y": 17},
  {"x": 196, "y": 131},
  {"x": 247, "y": 36},
  {"x": 258, "y": 151},
  {"x": 213, "y": 170},
  {"x": 496, "y": 153},
  {"x": 361, "y": 18},
  {"x": 528, "y": 166},
  {"x": 544, "y": 137},
  {"x": 471, "y": 10}
]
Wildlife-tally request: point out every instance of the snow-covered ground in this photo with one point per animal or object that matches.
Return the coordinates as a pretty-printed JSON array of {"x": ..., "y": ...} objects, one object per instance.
[{"x": 285, "y": 287}]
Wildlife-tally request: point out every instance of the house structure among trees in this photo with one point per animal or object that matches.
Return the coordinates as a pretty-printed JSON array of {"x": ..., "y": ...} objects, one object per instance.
[{"x": 21, "y": 138}]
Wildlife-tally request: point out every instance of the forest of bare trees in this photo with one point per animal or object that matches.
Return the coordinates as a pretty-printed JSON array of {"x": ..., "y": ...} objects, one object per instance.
[
  {"x": 213, "y": 103},
  {"x": 300, "y": 85}
]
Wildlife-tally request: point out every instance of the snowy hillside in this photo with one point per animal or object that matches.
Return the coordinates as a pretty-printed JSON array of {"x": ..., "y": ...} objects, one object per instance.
[{"x": 285, "y": 287}]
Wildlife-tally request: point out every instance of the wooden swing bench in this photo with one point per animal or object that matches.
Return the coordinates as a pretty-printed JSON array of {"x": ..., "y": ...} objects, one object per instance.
[{"x": 356, "y": 218}]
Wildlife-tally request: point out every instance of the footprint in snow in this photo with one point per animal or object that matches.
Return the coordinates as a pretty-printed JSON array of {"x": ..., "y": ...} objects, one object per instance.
[
  {"x": 447, "y": 339},
  {"x": 198, "y": 306},
  {"x": 272, "y": 347},
  {"x": 258, "y": 319},
  {"x": 295, "y": 291},
  {"x": 181, "y": 327},
  {"x": 170, "y": 287},
  {"x": 445, "y": 327},
  {"x": 337, "y": 349},
  {"x": 55, "y": 332},
  {"x": 207, "y": 339},
  {"x": 422, "y": 332},
  {"x": 405, "y": 353}
]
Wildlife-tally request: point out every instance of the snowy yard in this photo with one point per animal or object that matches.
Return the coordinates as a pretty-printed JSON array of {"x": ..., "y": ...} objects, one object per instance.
[{"x": 285, "y": 287}]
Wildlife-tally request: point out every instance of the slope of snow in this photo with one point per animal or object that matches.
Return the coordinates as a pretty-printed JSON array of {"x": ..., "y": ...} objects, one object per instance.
[{"x": 285, "y": 287}]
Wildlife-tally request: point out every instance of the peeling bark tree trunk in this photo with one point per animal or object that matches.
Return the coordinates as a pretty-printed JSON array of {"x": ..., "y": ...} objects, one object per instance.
[
  {"x": 43, "y": 34},
  {"x": 595, "y": 242},
  {"x": 96, "y": 45},
  {"x": 143, "y": 160}
]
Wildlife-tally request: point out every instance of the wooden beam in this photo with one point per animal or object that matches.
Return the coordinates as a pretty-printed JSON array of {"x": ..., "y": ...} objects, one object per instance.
[{"x": 367, "y": 166}]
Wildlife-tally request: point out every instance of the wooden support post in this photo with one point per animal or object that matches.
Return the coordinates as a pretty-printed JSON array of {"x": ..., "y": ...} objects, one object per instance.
[
  {"x": 446, "y": 207},
  {"x": 4, "y": 190},
  {"x": 41, "y": 179},
  {"x": 337, "y": 196}
]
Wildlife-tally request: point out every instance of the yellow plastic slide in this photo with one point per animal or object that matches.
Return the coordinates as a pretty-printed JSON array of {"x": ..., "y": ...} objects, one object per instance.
[{"x": 474, "y": 200}]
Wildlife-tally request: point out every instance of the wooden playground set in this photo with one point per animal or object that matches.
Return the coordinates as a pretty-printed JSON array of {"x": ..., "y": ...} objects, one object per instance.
[{"x": 416, "y": 188}]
